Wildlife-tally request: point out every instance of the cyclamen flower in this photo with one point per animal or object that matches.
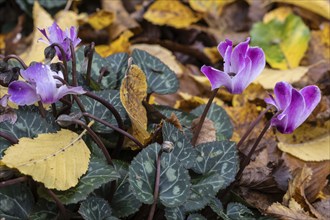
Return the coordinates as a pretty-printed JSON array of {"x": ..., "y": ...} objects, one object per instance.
[
  {"x": 241, "y": 66},
  {"x": 57, "y": 35},
  {"x": 294, "y": 106},
  {"x": 40, "y": 85}
]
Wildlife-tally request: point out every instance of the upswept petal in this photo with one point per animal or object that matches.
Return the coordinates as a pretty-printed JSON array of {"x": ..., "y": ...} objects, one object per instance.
[
  {"x": 312, "y": 97},
  {"x": 217, "y": 77},
  {"x": 35, "y": 73},
  {"x": 239, "y": 51},
  {"x": 22, "y": 93},
  {"x": 283, "y": 95},
  {"x": 46, "y": 88},
  {"x": 65, "y": 90},
  {"x": 56, "y": 35},
  {"x": 280, "y": 122},
  {"x": 243, "y": 78},
  {"x": 73, "y": 35},
  {"x": 294, "y": 111},
  {"x": 43, "y": 32},
  {"x": 223, "y": 47},
  {"x": 258, "y": 59}
]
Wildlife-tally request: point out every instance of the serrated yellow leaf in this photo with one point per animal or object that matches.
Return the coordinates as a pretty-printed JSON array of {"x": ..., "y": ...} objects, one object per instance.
[
  {"x": 172, "y": 13},
  {"x": 132, "y": 91},
  {"x": 57, "y": 160}
]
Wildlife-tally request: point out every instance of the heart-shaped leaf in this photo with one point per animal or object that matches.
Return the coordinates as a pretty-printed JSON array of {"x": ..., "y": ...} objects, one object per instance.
[
  {"x": 94, "y": 208},
  {"x": 176, "y": 213}
]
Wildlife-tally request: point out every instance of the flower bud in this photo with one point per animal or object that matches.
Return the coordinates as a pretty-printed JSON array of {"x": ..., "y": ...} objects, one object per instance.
[
  {"x": 49, "y": 53},
  {"x": 167, "y": 146}
]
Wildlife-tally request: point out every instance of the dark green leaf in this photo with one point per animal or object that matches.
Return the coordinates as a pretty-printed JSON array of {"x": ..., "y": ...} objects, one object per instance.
[
  {"x": 16, "y": 202},
  {"x": 219, "y": 159},
  {"x": 174, "y": 179},
  {"x": 44, "y": 210},
  {"x": 196, "y": 217},
  {"x": 99, "y": 110},
  {"x": 221, "y": 120},
  {"x": 29, "y": 124},
  {"x": 118, "y": 63},
  {"x": 161, "y": 79},
  {"x": 237, "y": 211},
  {"x": 184, "y": 117},
  {"x": 94, "y": 208},
  {"x": 99, "y": 173},
  {"x": 216, "y": 206},
  {"x": 176, "y": 213},
  {"x": 183, "y": 149}
]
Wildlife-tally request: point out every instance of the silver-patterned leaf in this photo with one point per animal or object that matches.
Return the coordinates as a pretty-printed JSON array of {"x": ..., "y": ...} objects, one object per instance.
[
  {"x": 176, "y": 213},
  {"x": 174, "y": 179},
  {"x": 183, "y": 149},
  {"x": 161, "y": 79},
  {"x": 94, "y": 208},
  {"x": 217, "y": 158},
  {"x": 237, "y": 211},
  {"x": 221, "y": 120},
  {"x": 196, "y": 217},
  {"x": 44, "y": 210}
]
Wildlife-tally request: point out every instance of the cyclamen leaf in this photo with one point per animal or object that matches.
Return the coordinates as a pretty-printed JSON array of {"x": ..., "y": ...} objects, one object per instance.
[
  {"x": 196, "y": 217},
  {"x": 174, "y": 179},
  {"x": 176, "y": 213},
  {"x": 161, "y": 79},
  {"x": 57, "y": 160},
  {"x": 16, "y": 202},
  {"x": 94, "y": 208},
  {"x": 44, "y": 210}
]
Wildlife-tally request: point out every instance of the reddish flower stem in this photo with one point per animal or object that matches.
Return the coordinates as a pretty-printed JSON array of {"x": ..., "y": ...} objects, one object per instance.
[
  {"x": 74, "y": 65},
  {"x": 13, "y": 181},
  {"x": 202, "y": 119},
  {"x": 8, "y": 137},
  {"x": 66, "y": 73},
  {"x": 59, "y": 205},
  {"x": 89, "y": 64},
  {"x": 13, "y": 56}
]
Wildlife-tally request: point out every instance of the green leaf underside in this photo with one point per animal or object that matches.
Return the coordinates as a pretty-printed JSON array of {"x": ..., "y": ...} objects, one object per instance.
[
  {"x": 16, "y": 202},
  {"x": 29, "y": 124},
  {"x": 99, "y": 110},
  {"x": 99, "y": 173},
  {"x": 44, "y": 210},
  {"x": 174, "y": 179},
  {"x": 94, "y": 208},
  {"x": 161, "y": 79},
  {"x": 176, "y": 213},
  {"x": 124, "y": 202},
  {"x": 219, "y": 159},
  {"x": 183, "y": 149},
  {"x": 222, "y": 123}
]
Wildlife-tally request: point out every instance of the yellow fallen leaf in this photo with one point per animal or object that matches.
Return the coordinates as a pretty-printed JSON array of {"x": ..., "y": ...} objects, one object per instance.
[
  {"x": 320, "y": 7},
  {"x": 315, "y": 150},
  {"x": 66, "y": 19},
  {"x": 101, "y": 19},
  {"x": 41, "y": 19},
  {"x": 190, "y": 102},
  {"x": 2, "y": 42},
  {"x": 212, "y": 53},
  {"x": 132, "y": 91},
  {"x": 279, "y": 13},
  {"x": 165, "y": 55},
  {"x": 213, "y": 7},
  {"x": 122, "y": 44},
  {"x": 57, "y": 160},
  {"x": 172, "y": 13},
  {"x": 269, "y": 77}
]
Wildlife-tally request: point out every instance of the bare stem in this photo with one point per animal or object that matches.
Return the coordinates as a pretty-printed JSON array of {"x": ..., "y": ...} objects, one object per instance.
[
  {"x": 202, "y": 119},
  {"x": 13, "y": 56},
  {"x": 59, "y": 204},
  {"x": 66, "y": 73},
  {"x": 41, "y": 109},
  {"x": 8, "y": 137},
  {"x": 89, "y": 64},
  {"x": 13, "y": 181},
  {"x": 156, "y": 189},
  {"x": 97, "y": 140},
  {"x": 74, "y": 65}
]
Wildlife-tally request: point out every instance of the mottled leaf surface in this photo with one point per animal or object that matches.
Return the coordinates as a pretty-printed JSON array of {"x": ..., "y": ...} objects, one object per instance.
[
  {"x": 44, "y": 210},
  {"x": 176, "y": 213},
  {"x": 161, "y": 79},
  {"x": 196, "y": 217},
  {"x": 94, "y": 208}
]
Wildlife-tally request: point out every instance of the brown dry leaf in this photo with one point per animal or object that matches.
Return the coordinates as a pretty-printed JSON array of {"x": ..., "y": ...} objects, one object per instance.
[
  {"x": 172, "y": 13},
  {"x": 122, "y": 44},
  {"x": 101, "y": 19},
  {"x": 42, "y": 19},
  {"x": 173, "y": 119},
  {"x": 213, "y": 7},
  {"x": 207, "y": 132},
  {"x": 2, "y": 43},
  {"x": 323, "y": 207},
  {"x": 212, "y": 53},
  {"x": 165, "y": 55},
  {"x": 132, "y": 91},
  {"x": 315, "y": 150},
  {"x": 269, "y": 77},
  {"x": 253, "y": 92}
]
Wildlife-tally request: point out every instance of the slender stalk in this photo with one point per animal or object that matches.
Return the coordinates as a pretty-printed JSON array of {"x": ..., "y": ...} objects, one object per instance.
[
  {"x": 59, "y": 204},
  {"x": 114, "y": 128},
  {"x": 13, "y": 181},
  {"x": 202, "y": 119},
  {"x": 89, "y": 64},
  {"x": 113, "y": 111},
  {"x": 66, "y": 73},
  {"x": 252, "y": 125},
  {"x": 8, "y": 137},
  {"x": 41, "y": 109},
  {"x": 95, "y": 138},
  {"x": 74, "y": 65},
  {"x": 156, "y": 189},
  {"x": 54, "y": 110},
  {"x": 13, "y": 56}
]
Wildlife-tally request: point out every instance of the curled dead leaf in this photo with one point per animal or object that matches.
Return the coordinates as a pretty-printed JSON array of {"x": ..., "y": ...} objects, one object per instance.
[{"x": 207, "y": 132}]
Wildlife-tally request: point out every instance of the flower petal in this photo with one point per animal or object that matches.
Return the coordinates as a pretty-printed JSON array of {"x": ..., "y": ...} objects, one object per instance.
[
  {"x": 283, "y": 93},
  {"x": 258, "y": 59},
  {"x": 225, "y": 48},
  {"x": 312, "y": 97},
  {"x": 65, "y": 90},
  {"x": 34, "y": 73},
  {"x": 236, "y": 57},
  {"x": 243, "y": 78},
  {"x": 217, "y": 78},
  {"x": 22, "y": 93},
  {"x": 56, "y": 35}
]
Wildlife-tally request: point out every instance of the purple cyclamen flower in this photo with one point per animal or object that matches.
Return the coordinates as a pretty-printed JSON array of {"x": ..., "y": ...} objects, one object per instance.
[
  {"x": 40, "y": 85},
  {"x": 241, "y": 66},
  {"x": 57, "y": 35},
  {"x": 294, "y": 106}
]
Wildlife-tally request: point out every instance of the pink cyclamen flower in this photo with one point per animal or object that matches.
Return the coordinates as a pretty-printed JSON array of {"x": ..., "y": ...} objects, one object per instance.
[
  {"x": 40, "y": 85},
  {"x": 57, "y": 35},
  {"x": 241, "y": 66},
  {"x": 294, "y": 106}
]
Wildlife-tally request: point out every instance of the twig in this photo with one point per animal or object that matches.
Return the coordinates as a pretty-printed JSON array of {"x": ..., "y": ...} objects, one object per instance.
[
  {"x": 59, "y": 204},
  {"x": 13, "y": 181}
]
